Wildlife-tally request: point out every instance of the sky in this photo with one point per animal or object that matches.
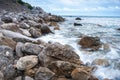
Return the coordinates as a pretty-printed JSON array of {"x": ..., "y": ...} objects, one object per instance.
[{"x": 79, "y": 7}]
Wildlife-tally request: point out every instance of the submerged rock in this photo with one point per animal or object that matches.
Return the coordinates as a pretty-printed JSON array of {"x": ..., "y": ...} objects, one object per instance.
[
  {"x": 90, "y": 42},
  {"x": 27, "y": 62},
  {"x": 44, "y": 73},
  {"x": 78, "y": 18},
  {"x": 57, "y": 51},
  {"x": 77, "y": 24}
]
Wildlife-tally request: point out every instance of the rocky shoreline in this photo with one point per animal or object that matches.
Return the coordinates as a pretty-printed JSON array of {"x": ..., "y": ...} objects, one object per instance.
[{"x": 22, "y": 57}]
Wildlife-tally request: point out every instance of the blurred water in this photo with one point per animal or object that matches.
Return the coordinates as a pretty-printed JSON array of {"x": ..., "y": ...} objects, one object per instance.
[{"x": 106, "y": 29}]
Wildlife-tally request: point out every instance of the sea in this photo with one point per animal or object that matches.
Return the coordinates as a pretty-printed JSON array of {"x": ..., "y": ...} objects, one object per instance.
[{"x": 104, "y": 27}]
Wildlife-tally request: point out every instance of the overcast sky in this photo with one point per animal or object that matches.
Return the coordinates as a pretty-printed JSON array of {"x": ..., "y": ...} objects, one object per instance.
[{"x": 79, "y": 7}]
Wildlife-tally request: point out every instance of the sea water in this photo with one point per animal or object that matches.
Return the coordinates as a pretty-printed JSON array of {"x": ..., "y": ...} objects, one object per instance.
[{"x": 103, "y": 27}]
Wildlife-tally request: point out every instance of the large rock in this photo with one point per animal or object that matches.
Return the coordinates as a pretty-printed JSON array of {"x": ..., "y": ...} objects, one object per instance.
[
  {"x": 101, "y": 62},
  {"x": 45, "y": 29},
  {"x": 61, "y": 68},
  {"x": 6, "y": 19},
  {"x": 12, "y": 27},
  {"x": 57, "y": 51},
  {"x": 31, "y": 49},
  {"x": 27, "y": 62},
  {"x": 32, "y": 23},
  {"x": 80, "y": 74},
  {"x": 8, "y": 42},
  {"x": 24, "y": 25},
  {"x": 35, "y": 33},
  {"x": 90, "y": 42},
  {"x": 44, "y": 73}
]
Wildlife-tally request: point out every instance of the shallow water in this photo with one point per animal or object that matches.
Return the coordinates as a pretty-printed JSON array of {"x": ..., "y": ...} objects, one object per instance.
[{"x": 105, "y": 28}]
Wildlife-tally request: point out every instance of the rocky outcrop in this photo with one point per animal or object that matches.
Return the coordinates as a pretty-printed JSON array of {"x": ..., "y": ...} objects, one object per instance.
[{"x": 90, "y": 42}]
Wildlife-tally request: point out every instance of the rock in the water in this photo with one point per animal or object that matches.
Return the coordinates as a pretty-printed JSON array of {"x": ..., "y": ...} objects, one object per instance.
[
  {"x": 45, "y": 29},
  {"x": 1, "y": 76},
  {"x": 18, "y": 49},
  {"x": 106, "y": 47},
  {"x": 55, "y": 25},
  {"x": 90, "y": 42},
  {"x": 31, "y": 49},
  {"x": 6, "y": 19},
  {"x": 57, "y": 51},
  {"x": 12, "y": 27},
  {"x": 80, "y": 74},
  {"x": 101, "y": 62},
  {"x": 26, "y": 78},
  {"x": 8, "y": 42},
  {"x": 44, "y": 73},
  {"x": 78, "y": 18},
  {"x": 77, "y": 24},
  {"x": 35, "y": 33},
  {"x": 27, "y": 62}
]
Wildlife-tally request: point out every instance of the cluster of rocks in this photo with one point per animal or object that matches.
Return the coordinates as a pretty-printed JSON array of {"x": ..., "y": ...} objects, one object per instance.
[{"x": 24, "y": 58}]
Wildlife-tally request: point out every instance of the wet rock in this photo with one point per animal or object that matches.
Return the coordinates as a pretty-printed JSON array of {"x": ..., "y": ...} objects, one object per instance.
[
  {"x": 18, "y": 49},
  {"x": 31, "y": 49},
  {"x": 78, "y": 18},
  {"x": 101, "y": 62},
  {"x": 24, "y": 25},
  {"x": 35, "y": 33},
  {"x": 8, "y": 42},
  {"x": 7, "y": 52},
  {"x": 6, "y": 19},
  {"x": 80, "y": 74},
  {"x": 27, "y": 62},
  {"x": 9, "y": 72},
  {"x": 77, "y": 24},
  {"x": 55, "y": 25},
  {"x": 45, "y": 29},
  {"x": 90, "y": 42},
  {"x": 11, "y": 26},
  {"x": 1, "y": 76},
  {"x": 62, "y": 68},
  {"x": 57, "y": 51},
  {"x": 106, "y": 47},
  {"x": 44, "y": 73}
]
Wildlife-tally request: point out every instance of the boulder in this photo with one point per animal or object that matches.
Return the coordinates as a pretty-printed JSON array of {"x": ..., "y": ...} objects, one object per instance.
[
  {"x": 25, "y": 32},
  {"x": 31, "y": 49},
  {"x": 6, "y": 19},
  {"x": 24, "y": 25},
  {"x": 27, "y": 62},
  {"x": 35, "y": 33},
  {"x": 11, "y": 26},
  {"x": 9, "y": 72},
  {"x": 18, "y": 50},
  {"x": 8, "y": 42},
  {"x": 101, "y": 62},
  {"x": 78, "y": 18},
  {"x": 32, "y": 23},
  {"x": 44, "y": 73},
  {"x": 90, "y": 42},
  {"x": 45, "y": 29},
  {"x": 55, "y": 25},
  {"x": 61, "y": 68},
  {"x": 81, "y": 74},
  {"x": 57, "y": 51},
  {"x": 77, "y": 24}
]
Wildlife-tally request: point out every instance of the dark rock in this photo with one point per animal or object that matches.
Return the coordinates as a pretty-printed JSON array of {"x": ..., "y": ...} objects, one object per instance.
[
  {"x": 6, "y": 19},
  {"x": 9, "y": 72},
  {"x": 78, "y": 18},
  {"x": 44, "y": 73},
  {"x": 31, "y": 49},
  {"x": 45, "y": 29},
  {"x": 57, "y": 51},
  {"x": 90, "y": 42},
  {"x": 77, "y": 24},
  {"x": 35, "y": 33},
  {"x": 19, "y": 50}
]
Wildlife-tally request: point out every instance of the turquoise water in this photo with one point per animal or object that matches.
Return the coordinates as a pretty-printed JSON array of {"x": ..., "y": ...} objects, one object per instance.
[{"x": 103, "y": 27}]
